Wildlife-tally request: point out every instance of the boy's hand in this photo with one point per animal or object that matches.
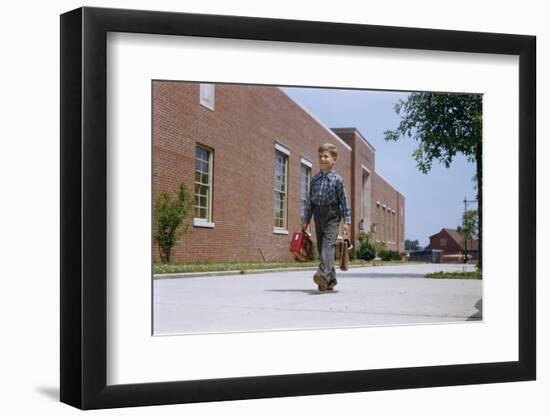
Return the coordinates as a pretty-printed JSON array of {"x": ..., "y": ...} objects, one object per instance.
[
  {"x": 345, "y": 229},
  {"x": 304, "y": 227}
]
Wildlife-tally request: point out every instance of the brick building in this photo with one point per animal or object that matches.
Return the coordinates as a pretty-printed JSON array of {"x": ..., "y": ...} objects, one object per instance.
[
  {"x": 248, "y": 153},
  {"x": 452, "y": 243}
]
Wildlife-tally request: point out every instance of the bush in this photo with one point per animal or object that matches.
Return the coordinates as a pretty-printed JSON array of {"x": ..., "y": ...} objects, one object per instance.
[
  {"x": 169, "y": 216},
  {"x": 379, "y": 247},
  {"x": 366, "y": 248},
  {"x": 389, "y": 255}
]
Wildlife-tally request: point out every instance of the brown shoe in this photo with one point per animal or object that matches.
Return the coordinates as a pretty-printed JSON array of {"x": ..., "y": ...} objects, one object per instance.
[
  {"x": 320, "y": 281},
  {"x": 331, "y": 284}
]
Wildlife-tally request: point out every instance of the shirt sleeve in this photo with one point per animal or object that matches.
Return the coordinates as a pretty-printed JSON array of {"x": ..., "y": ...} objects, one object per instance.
[
  {"x": 308, "y": 209},
  {"x": 344, "y": 202}
]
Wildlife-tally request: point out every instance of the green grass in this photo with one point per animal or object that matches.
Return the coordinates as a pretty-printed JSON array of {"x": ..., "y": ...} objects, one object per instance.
[
  {"x": 246, "y": 266},
  {"x": 456, "y": 275}
]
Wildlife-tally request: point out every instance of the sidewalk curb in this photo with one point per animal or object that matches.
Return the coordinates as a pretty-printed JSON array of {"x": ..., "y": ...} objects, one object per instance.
[{"x": 229, "y": 273}]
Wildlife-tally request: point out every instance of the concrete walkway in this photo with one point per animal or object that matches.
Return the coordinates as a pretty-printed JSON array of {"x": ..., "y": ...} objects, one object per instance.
[{"x": 384, "y": 295}]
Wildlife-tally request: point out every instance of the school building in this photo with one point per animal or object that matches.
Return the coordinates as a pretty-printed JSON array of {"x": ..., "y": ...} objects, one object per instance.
[{"x": 247, "y": 153}]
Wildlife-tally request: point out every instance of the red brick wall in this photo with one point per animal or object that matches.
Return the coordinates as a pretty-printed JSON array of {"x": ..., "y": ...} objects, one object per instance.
[
  {"x": 388, "y": 196},
  {"x": 242, "y": 131},
  {"x": 401, "y": 222},
  {"x": 362, "y": 156}
]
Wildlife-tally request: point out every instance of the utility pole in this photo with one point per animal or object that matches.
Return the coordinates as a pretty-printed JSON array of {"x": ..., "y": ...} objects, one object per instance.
[{"x": 465, "y": 201}]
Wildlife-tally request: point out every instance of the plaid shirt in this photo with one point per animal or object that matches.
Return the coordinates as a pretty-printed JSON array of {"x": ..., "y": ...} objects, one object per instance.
[{"x": 327, "y": 190}]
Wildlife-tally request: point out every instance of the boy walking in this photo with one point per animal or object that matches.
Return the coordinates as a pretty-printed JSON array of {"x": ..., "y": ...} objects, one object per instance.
[{"x": 327, "y": 202}]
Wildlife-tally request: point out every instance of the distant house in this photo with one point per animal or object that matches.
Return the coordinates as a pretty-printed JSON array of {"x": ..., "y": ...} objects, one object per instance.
[{"x": 451, "y": 242}]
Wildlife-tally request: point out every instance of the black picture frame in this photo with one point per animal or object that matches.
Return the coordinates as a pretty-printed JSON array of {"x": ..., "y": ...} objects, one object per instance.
[{"x": 84, "y": 207}]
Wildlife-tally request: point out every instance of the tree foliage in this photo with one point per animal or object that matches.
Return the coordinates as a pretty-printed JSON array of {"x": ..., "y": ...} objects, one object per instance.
[
  {"x": 169, "y": 216},
  {"x": 411, "y": 244},
  {"x": 470, "y": 224},
  {"x": 443, "y": 124}
]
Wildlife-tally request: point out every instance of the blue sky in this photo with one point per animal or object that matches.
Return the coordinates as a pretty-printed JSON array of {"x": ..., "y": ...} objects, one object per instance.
[{"x": 433, "y": 200}]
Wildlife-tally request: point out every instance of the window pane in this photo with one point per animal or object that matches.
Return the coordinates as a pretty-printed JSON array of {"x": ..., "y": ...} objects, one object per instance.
[
  {"x": 202, "y": 182},
  {"x": 280, "y": 187}
]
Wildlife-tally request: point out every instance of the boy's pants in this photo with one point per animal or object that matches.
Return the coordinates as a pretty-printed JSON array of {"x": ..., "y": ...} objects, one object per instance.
[{"x": 327, "y": 224}]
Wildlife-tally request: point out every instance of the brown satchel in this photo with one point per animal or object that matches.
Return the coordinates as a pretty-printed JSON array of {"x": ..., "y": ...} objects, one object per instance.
[{"x": 344, "y": 254}]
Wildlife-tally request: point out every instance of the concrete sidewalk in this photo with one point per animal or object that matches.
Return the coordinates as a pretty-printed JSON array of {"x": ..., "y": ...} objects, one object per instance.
[{"x": 384, "y": 295}]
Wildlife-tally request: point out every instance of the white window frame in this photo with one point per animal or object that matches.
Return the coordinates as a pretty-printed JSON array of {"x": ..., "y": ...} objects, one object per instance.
[
  {"x": 366, "y": 216},
  {"x": 286, "y": 153},
  {"x": 307, "y": 163},
  {"x": 394, "y": 226},
  {"x": 282, "y": 149},
  {"x": 207, "y": 95},
  {"x": 390, "y": 224},
  {"x": 378, "y": 221},
  {"x": 198, "y": 221},
  {"x": 384, "y": 235}
]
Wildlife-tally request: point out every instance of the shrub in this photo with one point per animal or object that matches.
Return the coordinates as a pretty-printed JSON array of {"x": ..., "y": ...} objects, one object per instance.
[
  {"x": 169, "y": 216},
  {"x": 379, "y": 247},
  {"x": 366, "y": 249},
  {"x": 389, "y": 255}
]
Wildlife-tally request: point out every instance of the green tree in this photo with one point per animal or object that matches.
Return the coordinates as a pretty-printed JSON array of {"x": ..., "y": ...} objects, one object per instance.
[
  {"x": 470, "y": 224},
  {"x": 469, "y": 228},
  {"x": 444, "y": 125},
  {"x": 169, "y": 216},
  {"x": 411, "y": 244}
]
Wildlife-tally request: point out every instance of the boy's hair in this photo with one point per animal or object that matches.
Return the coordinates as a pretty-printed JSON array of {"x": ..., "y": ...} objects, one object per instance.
[{"x": 330, "y": 148}]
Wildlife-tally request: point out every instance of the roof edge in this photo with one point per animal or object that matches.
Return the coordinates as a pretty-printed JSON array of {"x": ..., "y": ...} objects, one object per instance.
[
  {"x": 355, "y": 130},
  {"x": 316, "y": 119}
]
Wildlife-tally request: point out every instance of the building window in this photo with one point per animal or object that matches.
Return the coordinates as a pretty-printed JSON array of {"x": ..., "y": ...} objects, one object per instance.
[
  {"x": 443, "y": 241},
  {"x": 388, "y": 235},
  {"x": 385, "y": 220},
  {"x": 281, "y": 187},
  {"x": 207, "y": 96},
  {"x": 203, "y": 184},
  {"x": 366, "y": 197},
  {"x": 305, "y": 182},
  {"x": 394, "y": 225},
  {"x": 378, "y": 219},
  {"x": 390, "y": 230}
]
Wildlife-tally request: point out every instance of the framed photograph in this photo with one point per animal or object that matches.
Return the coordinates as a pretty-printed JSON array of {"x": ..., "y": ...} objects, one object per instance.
[{"x": 192, "y": 152}]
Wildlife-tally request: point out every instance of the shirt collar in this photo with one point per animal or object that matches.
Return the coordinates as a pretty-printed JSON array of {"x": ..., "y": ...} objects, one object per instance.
[{"x": 330, "y": 174}]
